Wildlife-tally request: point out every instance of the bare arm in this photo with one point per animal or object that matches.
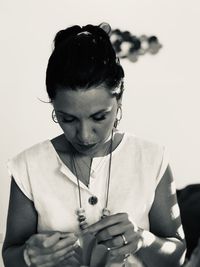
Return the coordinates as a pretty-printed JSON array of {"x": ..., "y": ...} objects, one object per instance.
[
  {"x": 21, "y": 224},
  {"x": 164, "y": 244},
  {"x": 44, "y": 249}
]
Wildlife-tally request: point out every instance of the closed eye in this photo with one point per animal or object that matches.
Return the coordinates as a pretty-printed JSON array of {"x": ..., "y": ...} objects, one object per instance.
[
  {"x": 99, "y": 118},
  {"x": 67, "y": 120}
]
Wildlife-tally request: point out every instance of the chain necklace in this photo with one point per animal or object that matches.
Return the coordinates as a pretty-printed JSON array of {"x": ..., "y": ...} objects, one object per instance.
[
  {"x": 100, "y": 163},
  {"x": 105, "y": 211},
  {"x": 81, "y": 211}
]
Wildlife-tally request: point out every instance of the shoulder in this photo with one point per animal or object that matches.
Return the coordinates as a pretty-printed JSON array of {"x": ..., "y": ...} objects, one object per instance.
[
  {"x": 25, "y": 166},
  {"x": 34, "y": 152},
  {"x": 152, "y": 157},
  {"x": 143, "y": 146}
]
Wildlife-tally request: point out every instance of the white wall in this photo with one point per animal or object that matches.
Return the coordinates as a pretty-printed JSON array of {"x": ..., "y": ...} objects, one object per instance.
[{"x": 162, "y": 92}]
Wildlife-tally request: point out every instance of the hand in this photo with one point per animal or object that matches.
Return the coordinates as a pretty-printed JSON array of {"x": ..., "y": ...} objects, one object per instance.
[
  {"x": 75, "y": 260},
  {"x": 49, "y": 249},
  {"x": 116, "y": 232}
]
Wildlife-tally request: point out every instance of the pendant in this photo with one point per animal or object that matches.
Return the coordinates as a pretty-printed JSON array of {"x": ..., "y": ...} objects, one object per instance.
[
  {"x": 81, "y": 218},
  {"x": 105, "y": 213},
  {"x": 93, "y": 200}
]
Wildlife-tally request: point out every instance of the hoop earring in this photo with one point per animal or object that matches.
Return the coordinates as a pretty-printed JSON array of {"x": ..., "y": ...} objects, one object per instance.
[
  {"x": 118, "y": 117},
  {"x": 53, "y": 116}
]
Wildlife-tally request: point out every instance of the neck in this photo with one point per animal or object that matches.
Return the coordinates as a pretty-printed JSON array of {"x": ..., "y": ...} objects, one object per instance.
[{"x": 103, "y": 150}]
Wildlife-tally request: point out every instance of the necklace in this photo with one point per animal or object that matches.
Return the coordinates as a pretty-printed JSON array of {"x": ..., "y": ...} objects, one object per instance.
[{"x": 81, "y": 211}]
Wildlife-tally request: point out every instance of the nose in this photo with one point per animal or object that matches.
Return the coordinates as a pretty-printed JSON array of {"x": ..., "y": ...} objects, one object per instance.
[{"x": 84, "y": 133}]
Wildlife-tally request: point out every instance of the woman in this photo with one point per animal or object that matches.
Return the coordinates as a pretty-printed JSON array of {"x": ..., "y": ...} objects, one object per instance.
[{"x": 111, "y": 191}]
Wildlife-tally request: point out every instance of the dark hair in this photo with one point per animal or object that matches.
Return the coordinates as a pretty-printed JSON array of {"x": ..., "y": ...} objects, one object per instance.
[{"x": 83, "y": 57}]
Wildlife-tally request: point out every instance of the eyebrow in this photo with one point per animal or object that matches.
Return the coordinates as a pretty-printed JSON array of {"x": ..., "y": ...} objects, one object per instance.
[{"x": 92, "y": 115}]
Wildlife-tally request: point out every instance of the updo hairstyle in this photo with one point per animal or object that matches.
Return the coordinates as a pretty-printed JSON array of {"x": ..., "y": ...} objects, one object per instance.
[{"x": 83, "y": 57}]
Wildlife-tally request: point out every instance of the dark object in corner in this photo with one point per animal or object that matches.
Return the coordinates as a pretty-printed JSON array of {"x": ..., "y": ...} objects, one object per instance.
[{"x": 189, "y": 203}]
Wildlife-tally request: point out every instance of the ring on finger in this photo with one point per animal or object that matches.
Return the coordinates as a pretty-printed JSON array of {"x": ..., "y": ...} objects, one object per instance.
[
  {"x": 125, "y": 242},
  {"x": 126, "y": 256}
]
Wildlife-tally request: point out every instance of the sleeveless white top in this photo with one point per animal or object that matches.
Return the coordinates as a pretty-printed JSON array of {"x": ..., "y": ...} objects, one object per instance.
[{"x": 137, "y": 167}]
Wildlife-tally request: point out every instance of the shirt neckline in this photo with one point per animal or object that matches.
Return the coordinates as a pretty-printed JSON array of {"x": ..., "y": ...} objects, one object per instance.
[
  {"x": 117, "y": 149},
  {"x": 66, "y": 170}
]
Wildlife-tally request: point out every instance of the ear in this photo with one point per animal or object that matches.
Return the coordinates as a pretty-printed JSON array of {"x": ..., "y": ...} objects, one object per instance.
[{"x": 106, "y": 27}]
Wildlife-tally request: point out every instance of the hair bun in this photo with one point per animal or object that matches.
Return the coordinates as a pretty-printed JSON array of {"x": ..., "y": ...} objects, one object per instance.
[
  {"x": 106, "y": 27},
  {"x": 63, "y": 35}
]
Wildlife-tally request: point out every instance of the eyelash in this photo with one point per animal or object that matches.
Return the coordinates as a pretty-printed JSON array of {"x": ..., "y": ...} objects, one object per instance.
[
  {"x": 95, "y": 119},
  {"x": 99, "y": 118},
  {"x": 67, "y": 121}
]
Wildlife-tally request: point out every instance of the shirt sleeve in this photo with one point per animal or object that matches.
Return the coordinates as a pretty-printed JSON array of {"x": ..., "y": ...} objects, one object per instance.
[
  {"x": 17, "y": 168},
  {"x": 163, "y": 166}
]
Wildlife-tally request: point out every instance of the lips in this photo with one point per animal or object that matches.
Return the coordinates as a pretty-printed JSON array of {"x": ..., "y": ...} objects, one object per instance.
[{"x": 86, "y": 147}]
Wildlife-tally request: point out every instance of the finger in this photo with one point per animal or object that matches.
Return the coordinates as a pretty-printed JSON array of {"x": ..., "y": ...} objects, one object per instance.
[
  {"x": 67, "y": 234},
  {"x": 77, "y": 257},
  {"x": 121, "y": 251},
  {"x": 51, "y": 240},
  {"x": 40, "y": 239},
  {"x": 68, "y": 256},
  {"x": 107, "y": 221},
  {"x": 36, "y": 239},
  {"x": 52, "y": 264},
  {"x": 53, "y": 257},
  {"x": 62, "y": 244},
  {"x": 114, "y": 230},
  {"x": 132, "y": 247},
  {"x": 72, "y": 261},
  {"x": 122, "y": 239},
  {"x": 114, "y": 242},
  {"x": 78, "y": 253},
  {"x": 65, "y": 242},
  {"x": 62, "y": 234}
]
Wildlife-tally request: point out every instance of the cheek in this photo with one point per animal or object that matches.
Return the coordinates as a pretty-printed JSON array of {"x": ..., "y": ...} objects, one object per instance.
[
  {"x": 106, "y": 127},
  {"x": 68, "y": 130},
  {"x": 112, "y": 118},
  {"x": 110, "y": 122}
]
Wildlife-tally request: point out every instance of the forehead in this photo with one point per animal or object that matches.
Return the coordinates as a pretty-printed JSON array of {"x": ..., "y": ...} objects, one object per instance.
[{"x": 83, "y": 101}]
